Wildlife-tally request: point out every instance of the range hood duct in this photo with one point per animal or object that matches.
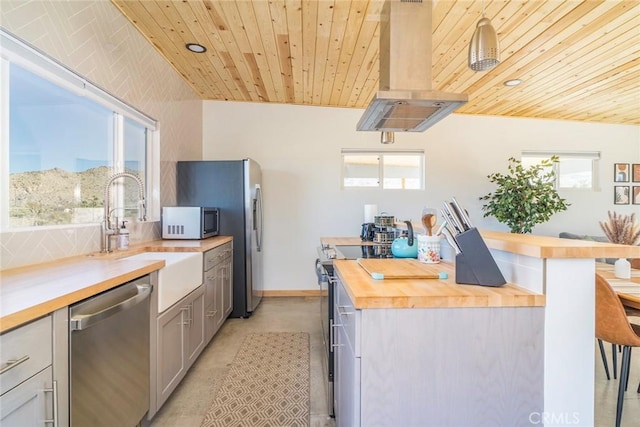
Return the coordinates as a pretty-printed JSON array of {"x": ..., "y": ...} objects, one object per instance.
[{"x": 405, "y": 101}]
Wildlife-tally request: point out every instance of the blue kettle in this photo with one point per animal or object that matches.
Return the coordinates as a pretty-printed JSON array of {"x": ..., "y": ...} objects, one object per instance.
[{"x": 405, "y": 246}]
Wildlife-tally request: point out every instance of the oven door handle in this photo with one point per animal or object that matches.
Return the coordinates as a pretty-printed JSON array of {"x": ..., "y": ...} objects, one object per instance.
[{"x": 321, "y": 273}]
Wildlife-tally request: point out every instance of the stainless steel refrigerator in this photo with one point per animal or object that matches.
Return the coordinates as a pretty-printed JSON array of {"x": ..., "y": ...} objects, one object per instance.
[{"x": 235, "y": 187}]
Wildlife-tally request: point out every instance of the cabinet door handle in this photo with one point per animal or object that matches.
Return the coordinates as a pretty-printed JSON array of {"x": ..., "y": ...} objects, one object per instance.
[
  {"x": 211, "y": 313},
  {"x": 342, "y": 311},
  {"x": 183, "y": 321},
  {"x": 12, "y": 363},
  {"x": 54, "y": 390}
]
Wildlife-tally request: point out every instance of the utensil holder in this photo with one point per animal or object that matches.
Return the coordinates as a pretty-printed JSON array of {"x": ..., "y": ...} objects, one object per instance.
[{"x": 475, "y": 264}]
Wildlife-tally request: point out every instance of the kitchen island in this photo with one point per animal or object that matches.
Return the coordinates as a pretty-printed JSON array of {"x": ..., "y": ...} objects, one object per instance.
[
  {"x": 561, "y": 270},
  {"x": 564, "y": 271},
  {"x": 416, "y": 352}
]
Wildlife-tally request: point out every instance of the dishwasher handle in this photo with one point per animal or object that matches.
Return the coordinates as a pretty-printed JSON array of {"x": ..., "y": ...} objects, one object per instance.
[{"x": 85, "y": 321}]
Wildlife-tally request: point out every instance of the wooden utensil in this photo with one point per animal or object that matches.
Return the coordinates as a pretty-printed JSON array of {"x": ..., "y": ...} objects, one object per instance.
[{"x": 429, "y": 221}]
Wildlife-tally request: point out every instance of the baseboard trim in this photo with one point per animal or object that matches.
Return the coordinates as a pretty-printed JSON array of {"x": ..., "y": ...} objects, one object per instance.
[{"x": 293, "y": 293}]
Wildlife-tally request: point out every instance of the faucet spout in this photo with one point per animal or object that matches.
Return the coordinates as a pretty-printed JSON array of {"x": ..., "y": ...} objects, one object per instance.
[{"x": 107, "y": 228}]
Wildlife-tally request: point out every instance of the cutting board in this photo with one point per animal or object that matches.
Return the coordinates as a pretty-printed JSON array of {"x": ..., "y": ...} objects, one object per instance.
[{"x": 400, "y": 268}]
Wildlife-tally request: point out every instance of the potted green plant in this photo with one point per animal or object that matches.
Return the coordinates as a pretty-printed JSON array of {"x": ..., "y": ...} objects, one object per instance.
[{"x": 525, "y": 196}]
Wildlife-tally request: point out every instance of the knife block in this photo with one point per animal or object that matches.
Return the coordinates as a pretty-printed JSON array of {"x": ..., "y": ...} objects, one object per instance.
[{"x": 475, "y": 264}]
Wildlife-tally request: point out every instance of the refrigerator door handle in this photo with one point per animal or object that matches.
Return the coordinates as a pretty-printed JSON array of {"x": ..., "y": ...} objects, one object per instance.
[{"x": 257, "y": 217}]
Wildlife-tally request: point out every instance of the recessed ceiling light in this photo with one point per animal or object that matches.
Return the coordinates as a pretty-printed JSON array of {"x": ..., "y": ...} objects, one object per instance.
[
  {"x": 512, "y": 82},
  {"x": 197, "y": 48}
]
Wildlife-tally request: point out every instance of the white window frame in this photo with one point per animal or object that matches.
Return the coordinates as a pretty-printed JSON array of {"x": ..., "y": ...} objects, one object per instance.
[
  {"x": 19, "y": 52},
  {"x": 381, "y": 154},
  {"x": 594, "y": 156}
]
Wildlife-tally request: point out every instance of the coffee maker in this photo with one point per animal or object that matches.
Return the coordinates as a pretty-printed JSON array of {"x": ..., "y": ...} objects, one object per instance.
[{"x": 368, "y": 231}]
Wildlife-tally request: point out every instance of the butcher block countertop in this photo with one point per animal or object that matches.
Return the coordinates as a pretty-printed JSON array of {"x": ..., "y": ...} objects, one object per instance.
[
  {"x": 555, "y": 247},
  {"x": 27, "y": 293},
  {"x": 366, "y": 292},
  {"x": 531, "y": 245}
]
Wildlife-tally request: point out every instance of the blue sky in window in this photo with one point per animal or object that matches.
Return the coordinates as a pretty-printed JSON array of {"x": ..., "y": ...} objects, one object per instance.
[{"x": 51, "y": 127}]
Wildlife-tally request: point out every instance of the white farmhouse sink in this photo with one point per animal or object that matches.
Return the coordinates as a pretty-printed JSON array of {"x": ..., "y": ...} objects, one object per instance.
[{"x": 181, "y": 274}]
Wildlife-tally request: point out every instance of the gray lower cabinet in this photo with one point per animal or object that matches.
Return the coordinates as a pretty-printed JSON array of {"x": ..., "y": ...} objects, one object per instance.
[
  {"x": 27, "y": 386},
  {"x": 218, "y": 284},
  {"x": 437, "y": 366},
  {"x": 180, "y": 340},
  {"x": 30, "y": 403}
]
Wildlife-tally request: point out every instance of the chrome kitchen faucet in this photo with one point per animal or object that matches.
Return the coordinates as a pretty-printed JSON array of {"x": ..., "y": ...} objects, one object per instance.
[{"x": 108, "y": 230}]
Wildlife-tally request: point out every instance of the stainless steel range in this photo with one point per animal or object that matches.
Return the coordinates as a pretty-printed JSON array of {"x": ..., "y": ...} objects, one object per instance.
[{"x": 325, "y": 275}]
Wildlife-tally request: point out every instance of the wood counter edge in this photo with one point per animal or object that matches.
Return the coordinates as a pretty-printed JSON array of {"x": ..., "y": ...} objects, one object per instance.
[
  {"x": 22, "y": 317},
  {"x": 34, "y": 312},
  {"x": 523, "y": 298},
  {"x": 530, "y": 245},
  {"x": 556, "y": 247}
]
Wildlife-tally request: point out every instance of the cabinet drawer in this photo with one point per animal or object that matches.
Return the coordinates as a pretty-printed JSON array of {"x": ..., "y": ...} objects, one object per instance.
[
  {"x": 25, "y": 352},
  {"x": 30, "y": 403},
  {"x": 216, "y": 255},
  {"x": 348, "y": 317}
]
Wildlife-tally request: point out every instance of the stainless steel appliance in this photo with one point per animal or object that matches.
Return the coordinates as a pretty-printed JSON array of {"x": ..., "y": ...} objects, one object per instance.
[
  {"x": 325, "y": 276},
  {"x": 235, "y": 187},
  {"x": 109, "y": 356},
  {"x": 190, "y": 222},
  {"x": 324, "y": 273}
]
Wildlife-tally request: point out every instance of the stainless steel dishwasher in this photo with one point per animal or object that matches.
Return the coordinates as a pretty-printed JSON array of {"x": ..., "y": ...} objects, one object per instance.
[{"x": 109, "y": 357}]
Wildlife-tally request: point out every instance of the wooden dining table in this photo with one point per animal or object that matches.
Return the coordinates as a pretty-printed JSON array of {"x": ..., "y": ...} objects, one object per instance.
[{"x": 627, "y": 289}]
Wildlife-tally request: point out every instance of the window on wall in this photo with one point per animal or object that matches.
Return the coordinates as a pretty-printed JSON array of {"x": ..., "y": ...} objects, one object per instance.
[
  {"x": 574, "y": 169},
  {"x": 383, "y": 169},
  {"x": 62, "y": 138}
]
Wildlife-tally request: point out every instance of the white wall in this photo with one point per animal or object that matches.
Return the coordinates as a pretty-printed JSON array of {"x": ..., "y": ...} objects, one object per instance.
[{"x": 299, "y": 147}]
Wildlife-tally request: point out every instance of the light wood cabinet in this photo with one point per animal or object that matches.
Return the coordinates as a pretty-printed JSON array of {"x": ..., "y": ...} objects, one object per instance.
[
  {"x": 218, "y": 288},
  {"x": 180, "y": 341}
]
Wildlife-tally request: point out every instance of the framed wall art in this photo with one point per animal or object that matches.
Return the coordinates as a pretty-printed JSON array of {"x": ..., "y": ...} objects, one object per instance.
[
  {"x": 621, "y": 195},
  {"x": 621, "y": 172},
  {"x": 635, "y": 190},
  {"x": 635, "y": 172}
]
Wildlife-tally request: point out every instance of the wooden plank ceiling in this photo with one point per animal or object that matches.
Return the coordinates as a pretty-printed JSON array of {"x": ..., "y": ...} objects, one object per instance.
[{"x": 579, "y": 60}]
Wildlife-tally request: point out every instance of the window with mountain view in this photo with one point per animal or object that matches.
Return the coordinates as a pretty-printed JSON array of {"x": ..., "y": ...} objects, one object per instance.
[{"x": 62, "y": 146}]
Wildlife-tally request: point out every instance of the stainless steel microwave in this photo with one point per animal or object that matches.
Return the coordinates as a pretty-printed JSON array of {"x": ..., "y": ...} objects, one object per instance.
[{"x": 190, "y": 222}]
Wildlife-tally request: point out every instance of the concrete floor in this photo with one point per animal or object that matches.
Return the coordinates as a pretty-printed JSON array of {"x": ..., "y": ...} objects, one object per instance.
[{"x": 192, "y": 399}]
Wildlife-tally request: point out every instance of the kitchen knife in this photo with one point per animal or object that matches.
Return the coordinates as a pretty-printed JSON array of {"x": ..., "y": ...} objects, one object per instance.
[
  {"x": 458, "y": 216},
  {"x": 451, "y": 240},
  {"x": 463, "y": 213},
  {"x": 452, "y": 218}
]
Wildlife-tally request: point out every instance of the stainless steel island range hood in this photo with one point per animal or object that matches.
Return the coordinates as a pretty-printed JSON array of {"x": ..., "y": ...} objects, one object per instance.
[{"x": 405, "y": 101}]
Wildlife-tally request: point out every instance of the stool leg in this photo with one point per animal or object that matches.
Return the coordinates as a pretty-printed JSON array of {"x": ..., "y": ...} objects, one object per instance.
[
  {"x": 604, "y": 358},
  {"x": 624, "y": 375},
  {"x": 615, "y": 360},
  {"x": 626, "y": 381}
]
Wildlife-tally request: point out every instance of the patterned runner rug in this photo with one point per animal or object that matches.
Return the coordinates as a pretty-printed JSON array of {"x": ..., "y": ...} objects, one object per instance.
[{"x": 267, "y": 384}]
